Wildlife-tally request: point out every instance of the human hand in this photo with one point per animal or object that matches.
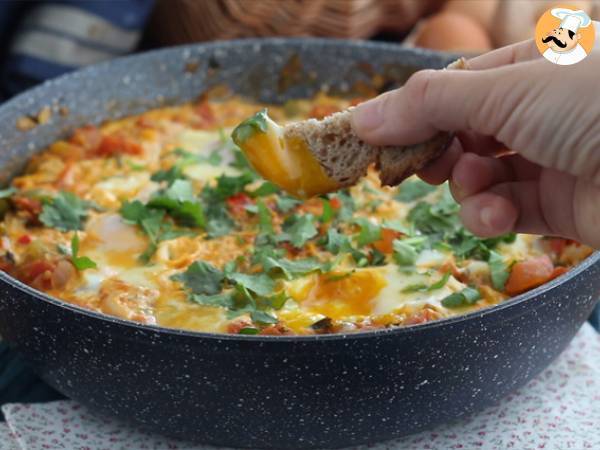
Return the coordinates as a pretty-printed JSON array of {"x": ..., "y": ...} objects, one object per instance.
[{"x": 511, "y": 98}]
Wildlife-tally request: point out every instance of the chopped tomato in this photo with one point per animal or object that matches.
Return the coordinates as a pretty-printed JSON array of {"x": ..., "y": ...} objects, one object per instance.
[
  {"x": 558, "y": 271},
  {"x": 557, "y": 245},
  {"x": 422, "y": 316},
  {"x": 112, "y": 145},
  {"x": 237, "y": 203},
  {"x": 528, "y": 274},
  {"x": 206, "y": 114},
  {"x": 25, "y": 239},
  {"x": 274, "y": 330},
  {"x": 335, "y": 203},
  {"x": 28, "y": 204},
  {"x": 385, "y": 244},
  {"x": 237, "y": 325},
  {"x": 320, "y": 111},
  {"x": 88, "y": 137}
]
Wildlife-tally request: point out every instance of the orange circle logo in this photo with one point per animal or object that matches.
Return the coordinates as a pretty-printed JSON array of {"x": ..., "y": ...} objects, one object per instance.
[{"x": 564, "y": 35}]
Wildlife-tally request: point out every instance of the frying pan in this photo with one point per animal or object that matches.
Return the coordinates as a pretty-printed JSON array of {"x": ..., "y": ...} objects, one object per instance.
[{"x": 269, "y": 391}]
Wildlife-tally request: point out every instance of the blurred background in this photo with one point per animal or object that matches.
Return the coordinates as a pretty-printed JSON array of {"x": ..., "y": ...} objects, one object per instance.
[{"x": 43, "y": 39}]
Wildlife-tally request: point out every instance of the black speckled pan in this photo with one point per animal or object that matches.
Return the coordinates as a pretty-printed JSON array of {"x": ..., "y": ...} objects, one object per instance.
[{"x": 269, "y": 392}]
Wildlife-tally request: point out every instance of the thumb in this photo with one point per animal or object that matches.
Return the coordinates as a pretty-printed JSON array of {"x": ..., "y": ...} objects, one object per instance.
[{"x": 446, "y": 100}]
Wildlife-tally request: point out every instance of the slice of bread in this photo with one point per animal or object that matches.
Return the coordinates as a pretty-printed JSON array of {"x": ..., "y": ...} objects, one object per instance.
[{"x": 346, "y": 158}]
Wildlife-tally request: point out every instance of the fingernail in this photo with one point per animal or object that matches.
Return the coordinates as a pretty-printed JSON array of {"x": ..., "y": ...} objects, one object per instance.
[
  {"x": 368, "y": 116},
  {"x": 487, "y": 216},
  {"x": 495, "y": 221}
]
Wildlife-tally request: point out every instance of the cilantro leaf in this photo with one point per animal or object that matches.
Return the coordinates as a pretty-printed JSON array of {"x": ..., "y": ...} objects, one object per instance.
[
  {"x": 224, "y": 300},
  {"x": 64, "y": 212},
  {"x": 298, "y": 229},
  {"x": 5, "y": 193},
  {"x": 201, "y": 278},
  {"x": 286, "y": 203},
  {"x": 328, "y": 212},
  {"x": 80, "y": 262},
  {"x": 170, "y": 176},
  {"x": 179, "y": 201},
  {"x": 337, "y": 242},
  {"x": 267, "y": 188},
  {"x": 369, "y": 231},
  {"x": 230, "y": 185},
  {"x": 262, "y": 317},
  {"x": 260, "y": 284},
  {"x": 265, "y": 224},
  {"x": 411, "y": 190},
  {"x": 291, "y": 268},
  {"x": 498, "y": 271},
  {"x": 404, "y": 253},
  {"x": 468, "y": 296},
  {"x": 255, "y": 124},
  {"x": 421, "y": 287}
]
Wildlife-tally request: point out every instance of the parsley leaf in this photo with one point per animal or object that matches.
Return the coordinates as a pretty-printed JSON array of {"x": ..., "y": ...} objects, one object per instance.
[
  {"x": 298, "y": 229},
  {"x": 5, "y": 193},
  {"x": 286, "y": 203},
  {"x": 170, "y": 176},
  {"x": 260, "y": 284},
  {"x": 328, "y": 212},
  {"x": 468, "y": 296},
  {"x": 267, "y": 188},
  {"x": 498, "y": 271},
  {"x": 224, "y": 300},
  {"x": 290, "y": 268},
  {"x": 265, "y": 224},
  {"x": 421, "y": 287},
  {"x": 404, "y": 253},
  {"x": 201, "y": 278},
  {"x": 337, "y": 242},
  {"x": 65, "y": 212},
  {"x": 411, "y": 190},
  {"x": 179, "y": 201},
  {"x": 255, "y": 124},
  {"x": 369, "y": 231},
  {"x": 80, "y": 262}
]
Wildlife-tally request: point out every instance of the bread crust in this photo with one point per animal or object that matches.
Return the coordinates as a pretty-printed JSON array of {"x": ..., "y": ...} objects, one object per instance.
[{"x": 346, "y": 158}]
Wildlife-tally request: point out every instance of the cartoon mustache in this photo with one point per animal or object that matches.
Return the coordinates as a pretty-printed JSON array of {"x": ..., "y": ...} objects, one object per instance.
[{"x": 556, "y": 41}]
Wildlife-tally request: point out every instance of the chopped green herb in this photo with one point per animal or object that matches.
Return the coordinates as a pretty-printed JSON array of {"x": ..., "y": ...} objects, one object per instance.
[
  {"x": 291, "y": 268},
  {"x": 337, "y": 242},
  {"x": 298, "y": 229},
  {"x": 65, "y": 212},
  {"x": 255, "y": 124},
  {"x": 5, "y": 193},
  {"x": 267, "y": 188},
  {"x": 260, "y": 284},
  {"x": 328, "y": 212},
  {"x": 170, "y": 176},
  {"x": 249, "y": 331},
  {"x": 285, "y": 203},
  {"x": 80, "y": 262},
  {"x": 265, "y": 224},
  {"x": 202, "y": 278},
  {"x": 468, "y": 296},
  {"x": 410, "y": 190},
  {"x": 498, "y": 271},
  {"x": 421, "y": 287},
  {"x": 369, "y": 231},
  {"x": 179, "y": 201},
  {"x": 404, "y": 253}
]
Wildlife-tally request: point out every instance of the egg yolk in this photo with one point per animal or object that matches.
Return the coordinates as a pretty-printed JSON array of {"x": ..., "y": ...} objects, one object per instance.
[
  {"x": 339, "y": 295},
  {"x": 288, "y": 163}
]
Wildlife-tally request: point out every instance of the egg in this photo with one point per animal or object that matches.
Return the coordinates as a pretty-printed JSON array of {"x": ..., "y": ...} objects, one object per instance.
[{"x": 451, "y": 31}]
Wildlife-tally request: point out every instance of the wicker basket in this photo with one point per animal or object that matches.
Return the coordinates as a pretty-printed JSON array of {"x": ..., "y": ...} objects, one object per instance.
[{"x": 181, "y": 21}]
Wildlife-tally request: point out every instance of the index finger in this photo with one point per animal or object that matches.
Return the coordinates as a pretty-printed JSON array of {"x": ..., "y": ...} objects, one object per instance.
[{"x": 511, "y": 54}]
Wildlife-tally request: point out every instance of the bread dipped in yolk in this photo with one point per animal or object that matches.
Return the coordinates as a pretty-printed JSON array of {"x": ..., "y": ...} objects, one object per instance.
[{"x": 285, "y": 161}]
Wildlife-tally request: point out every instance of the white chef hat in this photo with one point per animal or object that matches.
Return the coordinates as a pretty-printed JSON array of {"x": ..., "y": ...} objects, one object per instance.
[{"x": 570, "y": 19}]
